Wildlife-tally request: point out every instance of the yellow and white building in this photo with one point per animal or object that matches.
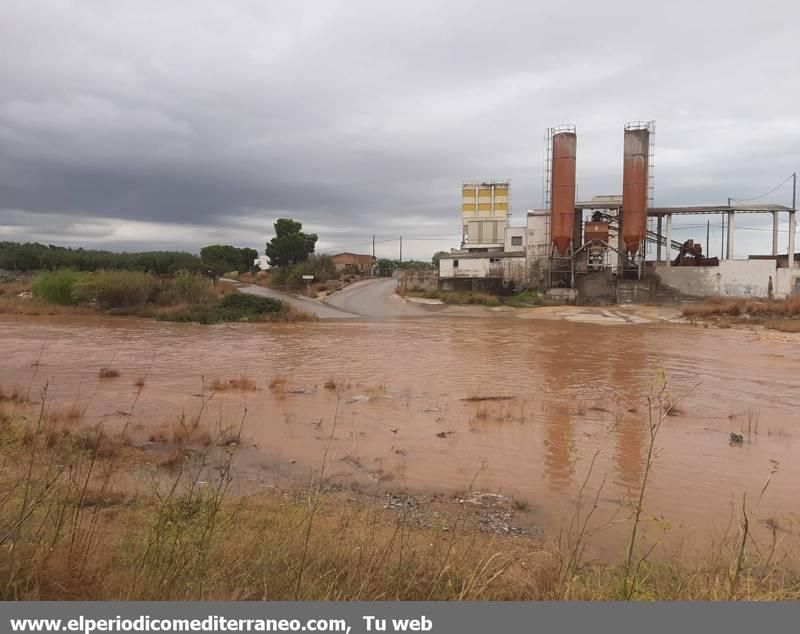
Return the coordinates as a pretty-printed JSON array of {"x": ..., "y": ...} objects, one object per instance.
[{"x": 485, "y": 208}]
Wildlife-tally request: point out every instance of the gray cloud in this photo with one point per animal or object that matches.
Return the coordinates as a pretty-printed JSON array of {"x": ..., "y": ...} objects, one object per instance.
[{"x": 160, "y": 125}]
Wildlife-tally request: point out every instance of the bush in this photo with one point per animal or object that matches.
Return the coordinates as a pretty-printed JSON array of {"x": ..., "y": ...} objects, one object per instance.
[
  {"x": 252, "y": 304},
  {"x": 117, "y": 289},
  {"x": 321, "y": 267},
  {"x": 235, "y": 307},
  {"x": 58, "y": 287},
  {"x": 525, "y": 298},
  {"x": 188, "y": 288}
]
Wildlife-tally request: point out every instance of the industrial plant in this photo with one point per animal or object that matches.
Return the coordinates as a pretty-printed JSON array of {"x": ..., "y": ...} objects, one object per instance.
[{"x": 597, "y": 249}]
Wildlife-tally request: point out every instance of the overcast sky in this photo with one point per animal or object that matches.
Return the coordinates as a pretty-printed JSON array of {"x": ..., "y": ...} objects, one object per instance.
[{"x": 161, "y": 125}]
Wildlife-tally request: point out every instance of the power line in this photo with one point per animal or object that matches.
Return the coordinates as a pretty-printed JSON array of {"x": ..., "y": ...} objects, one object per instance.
[
  {"x": 405, "y": 238},
  {"x": 744, "y": 200},
  {"x": 350, "y": 246}
]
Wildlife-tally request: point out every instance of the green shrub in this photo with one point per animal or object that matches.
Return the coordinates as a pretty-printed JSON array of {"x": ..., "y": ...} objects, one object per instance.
[
  {"x": 238, "y": 307},
  {"x": 188, "y": 288},
  {"x": 525, "y": 298},
  {"x": 321, "y": 267},
  {"x": 252, "y": 304},
  {"x": 58, "y": 287},
  {"x": 117, "y": 289}
]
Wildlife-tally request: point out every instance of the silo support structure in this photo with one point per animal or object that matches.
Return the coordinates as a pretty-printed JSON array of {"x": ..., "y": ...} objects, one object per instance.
[
  {"x": 774, "y": 233},
  {"x": 658, "y": 243},
  {"x": 669, "y": 239},
  {"x": 731, "y": 230}
]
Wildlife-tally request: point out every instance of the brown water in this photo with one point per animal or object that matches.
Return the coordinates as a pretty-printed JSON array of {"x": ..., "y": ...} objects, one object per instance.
[{"x": 577, "y": 389}]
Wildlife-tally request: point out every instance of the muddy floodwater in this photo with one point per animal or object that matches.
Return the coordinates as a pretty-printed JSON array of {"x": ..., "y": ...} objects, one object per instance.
[{"x": 403, "y": 418}]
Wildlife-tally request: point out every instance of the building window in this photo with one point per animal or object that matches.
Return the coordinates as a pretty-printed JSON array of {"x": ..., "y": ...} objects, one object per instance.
[
  {"x": 494, "y": 260},
  {"x": 455, "y": 264},
  {"x": 516, "y": 241}
]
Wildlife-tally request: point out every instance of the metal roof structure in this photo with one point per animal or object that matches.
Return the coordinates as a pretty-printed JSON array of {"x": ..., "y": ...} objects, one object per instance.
[
  {"x": 717, "y": 209},
  {"x": 685, "y": 209}
]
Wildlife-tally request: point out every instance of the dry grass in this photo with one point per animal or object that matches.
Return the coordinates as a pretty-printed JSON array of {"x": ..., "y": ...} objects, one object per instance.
[
  {"x": 14, "y": 395},
  {"x": 221, "y": 289},
  {"x": 12, "y": 304},
  {"x": 293, "y": 314},
  {"x": 782, "y": 315},
  {"x": 15, "y": 299},
  {"x": 67, "y": 534},
  {"x": 241, "y": 382},
  {"x": 278, "y": 384},
  {"x": 108, "y": 373},
  {"x": 784, "y": 325},
  {"x": 735, "y": 307},
  {"x": 184, "y": 433},
  {"x": 70, "y": 413}
]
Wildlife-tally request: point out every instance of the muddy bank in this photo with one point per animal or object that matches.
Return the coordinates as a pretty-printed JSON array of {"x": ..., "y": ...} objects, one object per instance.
[{"x": 389, "y": 398}]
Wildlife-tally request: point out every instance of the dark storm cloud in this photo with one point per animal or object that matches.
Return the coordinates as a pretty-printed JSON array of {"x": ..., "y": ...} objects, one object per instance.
[{"x": 169, "y": 124}]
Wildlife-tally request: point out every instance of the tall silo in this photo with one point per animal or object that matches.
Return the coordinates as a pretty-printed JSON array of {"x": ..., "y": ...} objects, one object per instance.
[
  {"x": 562, "y": 208},
  {"x": 635, "y": 174}
]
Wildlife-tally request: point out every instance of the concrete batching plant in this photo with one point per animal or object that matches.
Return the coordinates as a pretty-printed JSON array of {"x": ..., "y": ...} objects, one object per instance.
[{"x": 597, "y": 249}]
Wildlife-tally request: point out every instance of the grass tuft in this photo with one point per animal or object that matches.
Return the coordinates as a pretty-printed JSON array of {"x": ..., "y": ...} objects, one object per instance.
[{"x": 241, "y": 382}]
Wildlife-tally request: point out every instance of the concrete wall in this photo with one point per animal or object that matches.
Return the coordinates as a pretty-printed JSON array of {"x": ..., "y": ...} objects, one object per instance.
[
  {"x": 515, "y": 232},
  {"x": 787, "y": 282},
  {"x": 409, "y": 279},
  {"x": 537, "y": 248},
  {"x": 511, "y": 269},
  {"x": 732, "y": 278}
]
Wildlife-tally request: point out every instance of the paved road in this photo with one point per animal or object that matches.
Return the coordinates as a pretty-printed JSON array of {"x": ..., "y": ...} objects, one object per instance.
[
  {"x": 375, "y": 298},
  {"x": 369, "y": 298},
  {"x": 313, "y": 306}
]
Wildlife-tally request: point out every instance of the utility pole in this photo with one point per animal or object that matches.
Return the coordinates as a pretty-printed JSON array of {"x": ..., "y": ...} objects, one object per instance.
[
  {"x": 792, "y": 223},
  {"x": 724, "y": 242},
  {"x": 373, "y": 246},
  {"x": 401, "y": 248},
  {"x": 708, "y": 238}
]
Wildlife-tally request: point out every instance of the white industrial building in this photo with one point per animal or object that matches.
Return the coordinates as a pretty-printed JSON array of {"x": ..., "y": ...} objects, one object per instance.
[{"x": 493, "y": 254}]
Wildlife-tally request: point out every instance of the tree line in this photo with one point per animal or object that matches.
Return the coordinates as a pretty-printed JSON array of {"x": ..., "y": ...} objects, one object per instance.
[
  {"x": 291, "y": 248},
  {"x": 33, "y": 256}
]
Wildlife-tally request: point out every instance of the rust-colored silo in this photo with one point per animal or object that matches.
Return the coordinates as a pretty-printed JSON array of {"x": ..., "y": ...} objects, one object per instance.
[
  {"x": 562, "y": 210},
  {"x": 634, "y": 185}
]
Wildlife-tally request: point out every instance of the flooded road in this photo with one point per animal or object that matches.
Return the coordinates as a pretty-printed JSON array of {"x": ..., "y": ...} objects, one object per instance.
[{"x": 408, "y": 413}]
